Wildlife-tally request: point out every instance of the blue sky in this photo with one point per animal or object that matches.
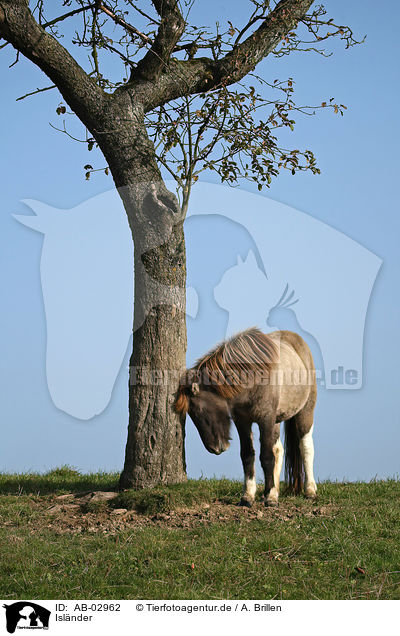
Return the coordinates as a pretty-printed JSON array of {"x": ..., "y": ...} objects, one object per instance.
[{"x": 357, "y": 432}]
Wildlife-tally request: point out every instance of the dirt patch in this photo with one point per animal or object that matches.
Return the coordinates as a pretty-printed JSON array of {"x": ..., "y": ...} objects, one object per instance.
[
  {"x": 79, "y": 513},
  {"x": 93, "y": 513}
]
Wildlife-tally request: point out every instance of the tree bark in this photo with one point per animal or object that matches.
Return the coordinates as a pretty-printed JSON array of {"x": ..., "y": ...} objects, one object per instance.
[{"x": 155, "y": 451}]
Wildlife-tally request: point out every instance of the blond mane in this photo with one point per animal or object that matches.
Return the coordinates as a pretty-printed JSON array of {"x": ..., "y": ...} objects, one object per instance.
[{"x": 225, "y": 369}]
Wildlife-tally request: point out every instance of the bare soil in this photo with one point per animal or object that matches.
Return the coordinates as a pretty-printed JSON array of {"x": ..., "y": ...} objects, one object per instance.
[{"x": 68, "y": 514}]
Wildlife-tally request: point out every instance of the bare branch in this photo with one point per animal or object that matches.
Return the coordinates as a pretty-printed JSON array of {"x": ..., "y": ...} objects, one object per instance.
[
  {"x": 38, "y": 90},
  {"x": 252, "y": 20},
  {"x": 65, "y": 132},
  {"x": 19, "y": 27},
  {"x": 15, "y": 61},
  {"x": 118, "y": 20},
  {"x": 145, "y": 15},
  {"x": 68, "y": 15},
  {"x": 123, "y": 57}
]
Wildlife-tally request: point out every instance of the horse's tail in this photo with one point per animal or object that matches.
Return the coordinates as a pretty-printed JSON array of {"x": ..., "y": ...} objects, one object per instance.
[{"x": 294, "y": 471}]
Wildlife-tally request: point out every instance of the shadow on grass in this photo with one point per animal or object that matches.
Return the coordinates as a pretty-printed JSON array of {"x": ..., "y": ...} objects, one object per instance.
[
  {"x": 190, "y": 493},
  {"x": 59, "y": 480},
  {"x": 149, "y": 501}
]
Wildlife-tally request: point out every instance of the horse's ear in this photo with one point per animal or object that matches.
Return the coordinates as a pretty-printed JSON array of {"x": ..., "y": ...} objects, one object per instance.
[
  {"x": 44, "y": 219},
  {"x": 195, "y": 388}
]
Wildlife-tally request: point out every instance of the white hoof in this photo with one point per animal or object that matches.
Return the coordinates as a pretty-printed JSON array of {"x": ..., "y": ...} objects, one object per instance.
[{"x": 310, "y": 491}]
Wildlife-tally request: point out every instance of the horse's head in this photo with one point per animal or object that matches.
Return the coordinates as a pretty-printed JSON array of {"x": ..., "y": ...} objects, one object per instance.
[
  {"x": 87, "y": 285},
  {"x": 210, "y": 415}
]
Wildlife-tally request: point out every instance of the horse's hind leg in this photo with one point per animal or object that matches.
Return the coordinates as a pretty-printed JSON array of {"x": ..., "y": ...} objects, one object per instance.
[
  {"x": 307, "y": 454},
  {"x": 305, "y": 426},
  {"x": 247, "y": 455}
]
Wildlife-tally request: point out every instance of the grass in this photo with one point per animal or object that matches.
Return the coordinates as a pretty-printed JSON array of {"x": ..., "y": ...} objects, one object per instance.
[
  {"x": 191, "y": 541},
  {"x": 59, "y": 480}
]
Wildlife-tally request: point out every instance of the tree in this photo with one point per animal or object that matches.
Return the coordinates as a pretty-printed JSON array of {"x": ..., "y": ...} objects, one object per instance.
[{"x": 178, "y": 110}]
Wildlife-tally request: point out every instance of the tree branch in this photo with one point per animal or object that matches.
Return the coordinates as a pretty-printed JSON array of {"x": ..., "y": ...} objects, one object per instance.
[
  {"x": 38, "y": 90},
  {"x": 19, "y": 27},
  {"x": 128, "y": 27},
  {"x": 203, "y": 74},
  {"x": 245, "y": 56},
  {"x": 169, "y": 32},
  {"x": 68, "y": 15}
]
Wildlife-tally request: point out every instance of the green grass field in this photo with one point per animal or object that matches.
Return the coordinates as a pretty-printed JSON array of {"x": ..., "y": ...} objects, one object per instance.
[{"x": 192, "y": 541}]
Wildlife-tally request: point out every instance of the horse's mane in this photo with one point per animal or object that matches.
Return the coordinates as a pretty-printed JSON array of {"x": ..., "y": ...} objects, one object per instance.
[{"x": 225, "y": 369}]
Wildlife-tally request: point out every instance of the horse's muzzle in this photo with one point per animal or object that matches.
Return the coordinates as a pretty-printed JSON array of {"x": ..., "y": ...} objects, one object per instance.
[{"x": 223, "y": 446}]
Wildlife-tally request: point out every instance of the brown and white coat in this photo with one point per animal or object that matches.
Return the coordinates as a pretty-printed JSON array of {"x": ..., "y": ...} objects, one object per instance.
[{"x": 262, "y": 378}]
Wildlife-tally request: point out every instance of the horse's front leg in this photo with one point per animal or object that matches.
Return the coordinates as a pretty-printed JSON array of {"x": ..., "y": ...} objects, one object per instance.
[
  {"x": 247, "y": 455},
  {"x": 271, "y": 457}
]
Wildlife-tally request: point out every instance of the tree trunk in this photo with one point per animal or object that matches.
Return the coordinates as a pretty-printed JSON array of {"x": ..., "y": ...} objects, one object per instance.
[
  {"x": 155, "y": 447},
  {"x": 155, "y": 450}
]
